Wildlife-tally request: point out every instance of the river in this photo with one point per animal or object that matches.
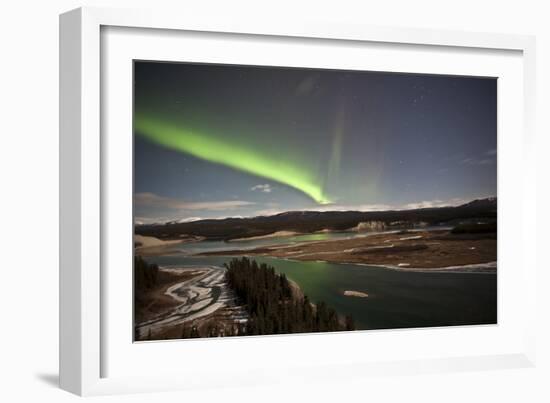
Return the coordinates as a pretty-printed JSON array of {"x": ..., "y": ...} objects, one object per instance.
[{"x": 396, "y": 299}]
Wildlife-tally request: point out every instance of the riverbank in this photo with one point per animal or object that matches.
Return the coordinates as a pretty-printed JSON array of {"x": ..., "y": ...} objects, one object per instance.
[
  {"x": 404, "y": 250},
  {"x": 195, "y": 297},
  {"x": 151, "y": 246}
]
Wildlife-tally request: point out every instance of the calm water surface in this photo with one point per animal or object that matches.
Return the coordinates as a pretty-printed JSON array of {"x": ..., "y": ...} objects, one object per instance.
[{"x": 211, "y": 246}]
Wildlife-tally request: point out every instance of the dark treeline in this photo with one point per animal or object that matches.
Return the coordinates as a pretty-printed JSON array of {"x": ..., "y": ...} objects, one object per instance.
[
  {"x": 475, "y": 228},
  {"x": 212, "y": 328},
  {"x": 273, "y": 306},
  {"x": 146, "y": 277},
  {"x": 145, "y": 274}
]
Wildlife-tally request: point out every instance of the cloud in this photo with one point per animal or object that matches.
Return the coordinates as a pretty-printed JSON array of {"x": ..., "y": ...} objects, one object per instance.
[
  {"x": 374, "y": 207},
  {"x": 150, "y": 220},
  {"x": 424, "y": 204},
  {"x": 268, "y": 212},
  {"x": 328, "y": 207},
  {"x": 487, "y": 158},
  {"x": 164, "y": 220},
  {"x": 153, "y": 200},
  {"x": 369, "y": 207},
  {"x": 352, "y": 207},
  {"x": 266, "y": 188},
  {"x": 188, "y": 219},
  {"x": 307, "y": 85},
  {"x": 477, "y": 161},
  {"x": 433, "y": 204}
]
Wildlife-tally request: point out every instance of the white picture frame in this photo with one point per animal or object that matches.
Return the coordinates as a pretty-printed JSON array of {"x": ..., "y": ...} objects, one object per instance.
[{"x": 85, "y": 346}]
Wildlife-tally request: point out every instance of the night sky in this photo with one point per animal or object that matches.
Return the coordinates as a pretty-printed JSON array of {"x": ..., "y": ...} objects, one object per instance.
[{"x": 216, "y": 141}]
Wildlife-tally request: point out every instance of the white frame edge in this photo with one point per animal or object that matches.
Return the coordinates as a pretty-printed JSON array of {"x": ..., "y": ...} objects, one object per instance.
[{"x": 80, "y": 165}]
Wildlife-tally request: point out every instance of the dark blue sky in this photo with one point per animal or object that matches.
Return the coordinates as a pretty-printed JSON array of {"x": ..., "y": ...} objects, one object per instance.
[{"x": 370, "y": 140}]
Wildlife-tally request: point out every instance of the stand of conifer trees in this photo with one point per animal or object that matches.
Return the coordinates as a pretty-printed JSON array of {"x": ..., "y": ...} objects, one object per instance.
[
  {"x": 145, "y": 274},
  {"x": 272, "y": 307}
]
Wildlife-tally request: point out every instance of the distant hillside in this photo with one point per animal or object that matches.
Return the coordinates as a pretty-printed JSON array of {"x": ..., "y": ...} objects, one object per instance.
[
  {"x": 311, "y": 221},
  {"x": 488, "y": 203}
]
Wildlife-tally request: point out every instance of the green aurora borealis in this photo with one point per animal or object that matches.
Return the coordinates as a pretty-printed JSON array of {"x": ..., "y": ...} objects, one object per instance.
[
  {"x": 237, "y": 156},
  {"x": 213, "y": 141}
]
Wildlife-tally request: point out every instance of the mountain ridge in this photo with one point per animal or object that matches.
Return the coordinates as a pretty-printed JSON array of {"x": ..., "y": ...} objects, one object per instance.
[{"x": 308, "y": 221}]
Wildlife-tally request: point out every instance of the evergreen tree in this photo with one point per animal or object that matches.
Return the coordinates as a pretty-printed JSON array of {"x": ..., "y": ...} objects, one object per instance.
[
  {"x": 350, "y": 325},
  {"x": 271, "y": 305}
]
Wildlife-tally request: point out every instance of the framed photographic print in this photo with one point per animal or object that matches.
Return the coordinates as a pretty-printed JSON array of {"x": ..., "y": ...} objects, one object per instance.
[
  {"x": 284, "y": 200},
  {"x": 259, "y": 193}
]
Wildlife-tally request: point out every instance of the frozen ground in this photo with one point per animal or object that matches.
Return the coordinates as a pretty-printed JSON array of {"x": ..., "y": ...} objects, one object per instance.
[{"x": 198, "y": 297}]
